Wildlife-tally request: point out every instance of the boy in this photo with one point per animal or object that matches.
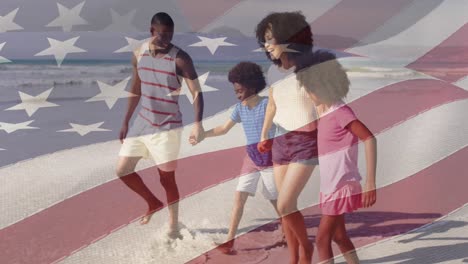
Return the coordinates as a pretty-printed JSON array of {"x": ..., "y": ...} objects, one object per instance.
[{"x": 248, "y": 80}]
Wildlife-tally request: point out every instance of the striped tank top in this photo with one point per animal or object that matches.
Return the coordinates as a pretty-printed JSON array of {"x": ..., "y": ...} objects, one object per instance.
[{"x": 159, "y": 106}]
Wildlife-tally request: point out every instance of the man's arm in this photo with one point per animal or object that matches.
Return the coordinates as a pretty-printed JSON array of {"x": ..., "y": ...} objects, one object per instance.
[
  {"x": 132, "y": 100},
  {"x": 186, "y": 69}
]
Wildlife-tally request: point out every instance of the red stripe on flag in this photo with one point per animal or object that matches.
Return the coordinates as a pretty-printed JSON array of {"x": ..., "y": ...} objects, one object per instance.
[
  {"x": 447, "y": 61},
  {"x": 395, "y": 103},
  {"x": 346, "y": 21},
  {"x": 82, "y": 219},
  {"x": 401, "y": 207}
]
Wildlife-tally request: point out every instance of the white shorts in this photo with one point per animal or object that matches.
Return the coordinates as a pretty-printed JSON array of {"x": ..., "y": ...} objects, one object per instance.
[
  {"x": 248, "y": 183},
  {"x": 163, "y": 147}
]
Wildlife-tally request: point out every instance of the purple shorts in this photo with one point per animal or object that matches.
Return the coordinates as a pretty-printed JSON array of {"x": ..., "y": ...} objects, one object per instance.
[{"x": 295, "y": 147}]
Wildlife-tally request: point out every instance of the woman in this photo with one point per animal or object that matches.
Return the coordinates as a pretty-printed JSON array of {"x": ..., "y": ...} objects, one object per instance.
[{"x": 287, "y": 38}]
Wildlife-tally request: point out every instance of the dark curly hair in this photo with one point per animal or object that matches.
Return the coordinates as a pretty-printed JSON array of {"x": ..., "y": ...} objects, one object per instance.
[
  {"x": 249, "y": 75},
  {"x": 324, "y": 76},
  {"x": 287, "y": 28}
]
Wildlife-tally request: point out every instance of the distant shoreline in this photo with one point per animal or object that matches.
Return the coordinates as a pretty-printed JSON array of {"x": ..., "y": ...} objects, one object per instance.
[{"x": 110, "y": 61}]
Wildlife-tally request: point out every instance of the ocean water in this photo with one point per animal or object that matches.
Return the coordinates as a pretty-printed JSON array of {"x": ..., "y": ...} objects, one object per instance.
[
  {"x": 27, "y": 75},
  {"x": 76, "y": 81},
  {"x": 45, "y": 73}
]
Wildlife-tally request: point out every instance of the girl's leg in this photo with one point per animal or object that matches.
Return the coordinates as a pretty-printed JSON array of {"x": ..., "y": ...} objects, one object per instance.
[
  {"x": 341, "y": 238},
  {"x": 294, "y": 181},
  {"x": 326, "y": 233},
  {"x": 293, "y": 244}
]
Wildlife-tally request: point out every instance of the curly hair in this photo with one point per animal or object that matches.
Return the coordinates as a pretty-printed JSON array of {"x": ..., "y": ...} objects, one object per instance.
[
  {"x": 287, "y": 28},
  {"x": 324, "y": 76},
  {"x": 249, "y": 75}
]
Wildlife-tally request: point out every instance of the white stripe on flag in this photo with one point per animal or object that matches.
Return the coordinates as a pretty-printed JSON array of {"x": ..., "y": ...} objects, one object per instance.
[
  {"x": 463, "y": 83},
  {"x": 424, "y": 35}
]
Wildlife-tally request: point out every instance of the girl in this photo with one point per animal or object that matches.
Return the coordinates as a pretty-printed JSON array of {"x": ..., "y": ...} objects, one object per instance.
[
  {"x": 339, "y": 131},
  {"x": 286, "y": 37}
]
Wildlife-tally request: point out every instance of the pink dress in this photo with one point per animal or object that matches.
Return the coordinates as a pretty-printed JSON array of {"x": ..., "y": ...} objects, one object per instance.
[{"x": 340, "y": 188}]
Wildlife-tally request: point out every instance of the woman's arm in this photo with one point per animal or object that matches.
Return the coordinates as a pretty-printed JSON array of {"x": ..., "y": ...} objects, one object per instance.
[{"x": 265, "y": 144}]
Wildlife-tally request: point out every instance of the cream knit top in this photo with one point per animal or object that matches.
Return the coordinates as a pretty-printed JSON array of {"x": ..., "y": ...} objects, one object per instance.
[{"x": 294, "y": 108}]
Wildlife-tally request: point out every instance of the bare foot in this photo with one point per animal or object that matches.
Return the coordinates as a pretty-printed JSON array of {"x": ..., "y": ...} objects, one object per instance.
[
  {"x": 175, "y": 234},
  {"x": 145, "y": 219},
  {"x": 153, "y": 208},
  {"x": 226, "y": 248}
]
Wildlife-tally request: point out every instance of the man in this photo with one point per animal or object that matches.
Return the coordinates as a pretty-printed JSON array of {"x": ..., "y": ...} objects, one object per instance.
[{"x": 158, "y": 70}]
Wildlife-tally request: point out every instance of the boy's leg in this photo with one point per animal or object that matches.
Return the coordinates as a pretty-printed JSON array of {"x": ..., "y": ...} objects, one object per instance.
[
  {"x": 269, "y": 190},
  {"x": 246, "y": 186},
  {"x": 126, "y": 172},
  {"x": 240, "y": 198}
]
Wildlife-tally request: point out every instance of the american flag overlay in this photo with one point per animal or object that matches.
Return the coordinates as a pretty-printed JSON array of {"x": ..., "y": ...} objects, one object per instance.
[{"x": 65, "y": 71}]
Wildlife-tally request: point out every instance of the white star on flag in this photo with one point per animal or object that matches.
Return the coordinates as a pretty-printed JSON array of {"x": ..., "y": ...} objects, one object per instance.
[
  {"x": 83, "y": 130},
  {"x": 132, "y": 45},
  {"x": 110, "y": 94},
  {"x": 68, "y": 17},
  {"x": 184, "y": 90},
  {"x": 122, "y": 23},
  {"x": 6, "y": 22},
  {"x": 211, "y": 43},
  {"x": 12, "y": 127},
  {"x": 60, "y": 49},
  {"x": 31, "y": 103},
  {"x": 3, "y": 59},
  {"x": 284, "y": 46}
]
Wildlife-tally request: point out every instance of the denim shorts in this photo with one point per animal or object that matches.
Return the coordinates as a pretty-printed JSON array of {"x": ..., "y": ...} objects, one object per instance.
[{"x": 295, "y": 147}]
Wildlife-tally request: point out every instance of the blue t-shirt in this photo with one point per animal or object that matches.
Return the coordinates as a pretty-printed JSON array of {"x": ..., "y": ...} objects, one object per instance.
[{"x": 252, "y": 122}]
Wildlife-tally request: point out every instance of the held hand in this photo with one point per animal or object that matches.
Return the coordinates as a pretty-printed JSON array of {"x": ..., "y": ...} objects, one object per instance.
[
  {"x": 197, "y": 135},
  {"x": 123, "y": 133},
  {"x": 369, "y": 196},
  {"x": 264, "y": 145}
]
